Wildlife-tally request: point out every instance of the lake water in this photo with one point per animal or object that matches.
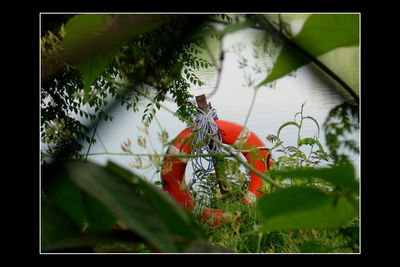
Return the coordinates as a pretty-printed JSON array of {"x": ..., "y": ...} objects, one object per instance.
[{"x": 272, "y": 107}]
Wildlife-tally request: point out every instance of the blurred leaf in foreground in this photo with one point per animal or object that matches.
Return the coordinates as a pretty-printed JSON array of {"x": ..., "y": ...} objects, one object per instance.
[
  {"x": 340, "y": 177},
  {"x": 305, "y": 207},
  {"x": 92, "y": 40},
  {"x": 113, "y": 192},
  {"x": 320, "y": 34}
]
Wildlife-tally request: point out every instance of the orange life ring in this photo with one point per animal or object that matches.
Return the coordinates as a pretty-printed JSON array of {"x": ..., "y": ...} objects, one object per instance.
[{"x": 173, "y": 169}]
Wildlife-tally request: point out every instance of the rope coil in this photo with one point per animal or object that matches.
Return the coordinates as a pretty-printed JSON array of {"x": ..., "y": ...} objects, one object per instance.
[{"x": 203, "y": 144}]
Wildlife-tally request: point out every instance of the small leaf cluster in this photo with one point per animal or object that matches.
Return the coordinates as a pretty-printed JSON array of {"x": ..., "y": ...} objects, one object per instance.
[
  {"x": 163, "y": 60},
  {"x": 230, "y": 184},
  {"x": 342, "y": 121},
  {"x": 153, "y": 60},
  {"x": 293, "y": 156}
]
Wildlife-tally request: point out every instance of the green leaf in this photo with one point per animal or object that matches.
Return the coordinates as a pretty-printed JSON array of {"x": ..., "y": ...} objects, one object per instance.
[
  {"x": 82, "y": 47},
  {"x": 321, "y": 149},
  {"x": 73, "y": 242},
  {"x": 320, "y": 34},
  {"x": 99, "y": 217},
  {"x": 69, "y": 198},
  {"x": 340, "y": 176},
  {"x": 283, "y": 158},
  {"x": 130, "y": 203},
  {"x": 124, "y": 201},
  {"x": 77, "y": 204},
  {"x": 175, "y": 218},
  {"x": 55, "y": 224},
  {"x": 307, "y": 141},
  {"x": 304, "y": 207},
  {"x": 335, "y": 30},
  {"x": 91, "y": 40}
]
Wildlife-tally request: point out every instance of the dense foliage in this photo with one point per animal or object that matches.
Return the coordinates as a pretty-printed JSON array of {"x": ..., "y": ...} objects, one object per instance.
[
  {"x": 153, "y": 61},
  {"x": 95, "y": 60}
]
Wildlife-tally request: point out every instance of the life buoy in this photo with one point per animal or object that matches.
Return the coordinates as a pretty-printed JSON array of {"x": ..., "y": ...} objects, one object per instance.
[{"x": 173, "y": 169}]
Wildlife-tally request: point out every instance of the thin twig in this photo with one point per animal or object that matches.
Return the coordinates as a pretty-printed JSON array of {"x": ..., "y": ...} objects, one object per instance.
[
  {"x": 91, "y": 141},
  {"x": 253, "y": 100},
  {"x": 224, "y": 155},
  {"x": 101, "y": 142},
  {"x": 234, "y": 150}
]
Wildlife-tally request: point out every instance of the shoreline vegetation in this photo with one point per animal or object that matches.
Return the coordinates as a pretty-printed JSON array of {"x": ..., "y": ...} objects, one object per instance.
[{"x": 311, "y": 195}]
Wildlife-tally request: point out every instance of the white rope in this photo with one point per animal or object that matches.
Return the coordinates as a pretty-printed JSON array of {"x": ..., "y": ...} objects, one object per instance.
[{"x": 203, "y": 144}]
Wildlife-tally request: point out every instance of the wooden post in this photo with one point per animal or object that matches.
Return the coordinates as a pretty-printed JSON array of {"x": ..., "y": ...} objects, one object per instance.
[{"x": 202, "y": 103}]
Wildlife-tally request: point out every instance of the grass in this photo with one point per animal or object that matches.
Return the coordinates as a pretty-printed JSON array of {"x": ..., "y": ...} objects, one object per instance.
[
  {"x": 240, "y": 233},
  {"x": 242, "y": 237}
]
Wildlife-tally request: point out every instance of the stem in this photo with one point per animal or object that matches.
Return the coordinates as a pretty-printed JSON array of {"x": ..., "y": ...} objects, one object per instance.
[
  {"x": 309, "y": 156},
  {"x": 259, "y": 242},
  {"x": 253, "y": 100},
  {"x": 298, "y": 133},
  {"x": 158, "y": 123},
  {"x": 90, "y": 144},
  {"x": 298, "y": 142},
  {"x": 151, "y": 155},
  {"x": 101, "y": 142}
]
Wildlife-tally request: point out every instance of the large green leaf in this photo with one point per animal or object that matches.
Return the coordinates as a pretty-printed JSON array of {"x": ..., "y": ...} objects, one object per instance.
[
  {"x": 175, "y": 218},
  {"x": 342, "y": 176},
  {"x": 59, "y": 232},
  {"x": 77, "y": 242},
  {"x": 100, "y": 219},
  {"x": 158, "y": 220},
  {"x": 320, "y": 34},
  {"x": 83, "y": 47},
  {"x": 55, "y": 224},
  {"x": 123, "y": 200},
  {"x": 303, "y": 207},
  {"x": 67, "y": 196},
  {"x": 77, "y": 204},
  {"x": 91, "y": 40}
]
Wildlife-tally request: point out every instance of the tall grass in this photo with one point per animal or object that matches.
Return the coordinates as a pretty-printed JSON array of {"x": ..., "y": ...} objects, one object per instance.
[
  {"x": 240, "y": 235},
  {"x": 243, "y": 221}
]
